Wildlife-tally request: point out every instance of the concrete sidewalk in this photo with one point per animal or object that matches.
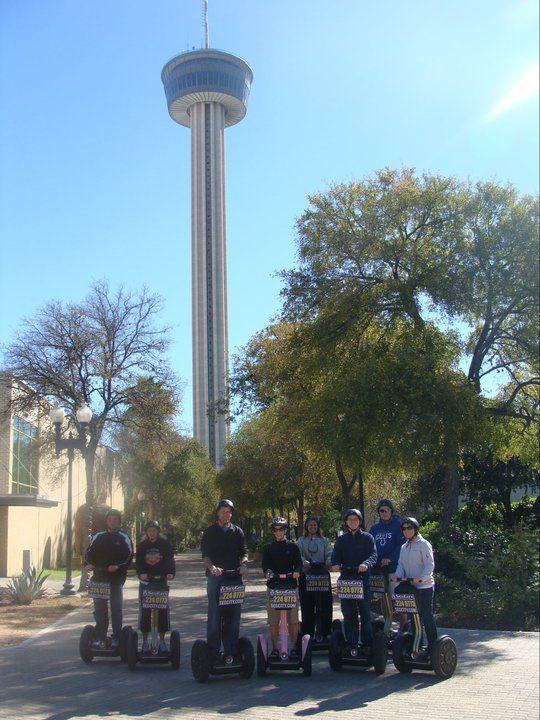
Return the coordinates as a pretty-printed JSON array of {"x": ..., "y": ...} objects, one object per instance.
[{"x": 497, "y": 676}]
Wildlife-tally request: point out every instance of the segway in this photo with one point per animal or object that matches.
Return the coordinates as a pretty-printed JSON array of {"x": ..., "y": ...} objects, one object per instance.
[
  {"x": 206, "y": 662},
  {"x": 383, "y": 633},
  {"x": 407, "y": 651},
  {"x": 154, "y": 597},
  {"x": 87, "y": 648},
  {"x": 283, "y": 597},
  {"x": 317, "y": 581},
  {"x": 350, "y": 586}
]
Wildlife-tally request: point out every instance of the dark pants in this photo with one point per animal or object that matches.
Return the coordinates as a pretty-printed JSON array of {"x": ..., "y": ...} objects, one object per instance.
[
  {"x": 223, "y": 623},
  {"x": 351, "y": 609},
  {"x": 316, "y": 610},
  {"x": 145, "y": 614},
  {"x": 101, "y": 613},
  {"x": 424, "y": 599}
]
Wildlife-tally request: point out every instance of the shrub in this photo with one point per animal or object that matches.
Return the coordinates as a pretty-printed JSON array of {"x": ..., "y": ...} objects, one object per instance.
[
  {"x": 28, "y": 586},
  {"x": 486, "y": 575}
]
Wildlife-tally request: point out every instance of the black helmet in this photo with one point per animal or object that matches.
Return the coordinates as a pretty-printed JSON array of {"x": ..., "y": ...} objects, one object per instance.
[
  {"x": 310, "y": 518},
  {"x": 352, "y": 511},
  {"x": 114, "y": 512},
  {"x": 225, "y": 503},
  {"x": 385, "y": 503},
  {"x": 410, "y": 521},
  {"x": 151, "y": 523},
  {"x": 278, "y": 522}
]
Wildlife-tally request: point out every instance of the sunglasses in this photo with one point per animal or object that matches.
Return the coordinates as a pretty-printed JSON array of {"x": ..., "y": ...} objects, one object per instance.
[
  {"x": 407, "y": 527},
  {"x": 278, "y": 529},
  {"x": 384, "y": 510}
]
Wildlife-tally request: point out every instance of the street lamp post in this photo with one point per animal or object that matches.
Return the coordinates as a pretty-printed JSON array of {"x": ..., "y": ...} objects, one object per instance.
[{"x": 57, "y": 416}]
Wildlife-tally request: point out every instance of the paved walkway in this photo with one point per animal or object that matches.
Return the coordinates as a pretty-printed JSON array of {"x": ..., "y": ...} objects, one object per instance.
[{"x": 497, "y": 677}]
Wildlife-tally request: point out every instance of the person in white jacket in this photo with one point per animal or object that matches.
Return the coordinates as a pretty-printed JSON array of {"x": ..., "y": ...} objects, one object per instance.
[{"x": 416, "y": 562}]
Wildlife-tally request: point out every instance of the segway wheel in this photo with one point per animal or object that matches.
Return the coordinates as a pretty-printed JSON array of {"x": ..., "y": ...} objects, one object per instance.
[
  {"x": 122, "y": 642},
  {"x": 174, "y": 647},
  {"x": 85, "y": 644},
  {"x": 444, "y": 657},
  {"x": 306, "y": 662},
  {"x": 261, "y": 660},
  {"x": 200, "y": 661},
  {"x": 245, "y": 648},
  {"x": 335, "y": 650},
  {"x": 132, "y": 652},
  {"x": 380, "y": 652},
  {"x": 402, "y": 645}
]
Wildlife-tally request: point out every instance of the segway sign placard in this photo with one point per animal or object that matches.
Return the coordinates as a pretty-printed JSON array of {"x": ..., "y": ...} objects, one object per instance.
[
  {"x": 99, "y": 590},
  {"x": 317, "y": 583},
  {"x": 155, "y": 599},
  {"x": 404, "y": 603},
  {"x": 350, "y": 589},
  {"x": 376, "y": 584},
  {"x": 232, "y": 594},
  {"x": 283, "y": 598}
]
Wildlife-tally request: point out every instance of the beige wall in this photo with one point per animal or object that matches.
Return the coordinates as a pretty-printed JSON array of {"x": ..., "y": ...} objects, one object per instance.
[{"x": 41, "y": 530}]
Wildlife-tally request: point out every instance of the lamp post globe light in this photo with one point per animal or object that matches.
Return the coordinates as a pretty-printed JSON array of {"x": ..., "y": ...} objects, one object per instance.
[{"x": 57, "y": 417}]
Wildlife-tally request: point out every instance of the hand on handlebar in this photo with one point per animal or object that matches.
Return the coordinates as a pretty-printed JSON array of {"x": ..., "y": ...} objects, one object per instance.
[
  {"x": 296, "y": 575},
  {"x": 384, "y": 562},
  {"x": 306, "y": 564},
  {"x": 362, "y": 568},
  {"x": 216, "y": 571},
  {"x": 143, "y": 576},
  {"x": 335, "y": 568},
  {"x": 269, "y": 574},
  {"x": 417, "y": 580},
  {"x": 170, "y": 577}
]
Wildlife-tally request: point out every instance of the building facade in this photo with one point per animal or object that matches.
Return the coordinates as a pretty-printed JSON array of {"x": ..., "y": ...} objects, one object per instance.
[
  {"x": 207, "y": 90},
  {"x": 33, "y": 489}
]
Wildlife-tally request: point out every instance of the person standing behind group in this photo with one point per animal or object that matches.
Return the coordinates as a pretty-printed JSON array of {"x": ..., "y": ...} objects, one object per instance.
[
  {"x": 316, "y": 553},
  {"x": 388, "y": 536},
  {"x": 416, "y": 562},
  {"x": 154, "y": 557},
  {"x": 109, "y": 554}
]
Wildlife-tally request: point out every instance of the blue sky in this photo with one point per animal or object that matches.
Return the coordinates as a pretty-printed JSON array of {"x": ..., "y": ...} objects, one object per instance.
[{"x": 94, "y": 175}]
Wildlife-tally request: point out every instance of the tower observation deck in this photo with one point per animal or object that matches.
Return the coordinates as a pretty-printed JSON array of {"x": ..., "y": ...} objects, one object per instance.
[{"x": 207, "y": 90}]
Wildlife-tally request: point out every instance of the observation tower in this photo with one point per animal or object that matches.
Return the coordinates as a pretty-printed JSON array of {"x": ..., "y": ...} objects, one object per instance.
[{"x": 207, "y": 90}]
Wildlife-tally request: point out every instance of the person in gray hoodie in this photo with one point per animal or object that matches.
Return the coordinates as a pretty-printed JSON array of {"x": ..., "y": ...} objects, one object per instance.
[
  {"x": 316, "y": 552},
  {"x": 416, "y": 562}
]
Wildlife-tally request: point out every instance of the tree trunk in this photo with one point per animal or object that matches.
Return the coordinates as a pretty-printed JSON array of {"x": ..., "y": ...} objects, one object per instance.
[
  {"x": 345, "y": 486},
  {"x": 300, "y": 514},
  {"x": 360, "y": 478},
  {"x": 507, "y": 505},
  {"x": 450, "y": 494}
]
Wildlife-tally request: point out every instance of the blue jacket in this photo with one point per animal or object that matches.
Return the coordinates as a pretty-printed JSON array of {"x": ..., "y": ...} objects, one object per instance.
[
  {"x": 388, "y": 541},
  {"x": 353, "y": 549}
]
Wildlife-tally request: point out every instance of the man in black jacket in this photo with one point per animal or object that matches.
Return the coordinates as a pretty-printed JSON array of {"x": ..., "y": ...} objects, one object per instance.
[
  {"x": 223, "y": 547},
  {"x": 109, "y": 554},
  {"x": 154, "y": 557},
  {"x": 355, "y": 549},
  {"x": 281, "y": 557}
]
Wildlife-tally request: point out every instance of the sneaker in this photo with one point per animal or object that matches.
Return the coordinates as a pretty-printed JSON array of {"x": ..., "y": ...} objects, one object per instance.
[
  {"x": 421, "y": 656},
  {"x": 145, "y": 647},
  {"x": 294, "y": 654},
  {"x": 114, "y": 644},
  {"x": 99, "y": 645},
  {"x": 163, "y": 646}
]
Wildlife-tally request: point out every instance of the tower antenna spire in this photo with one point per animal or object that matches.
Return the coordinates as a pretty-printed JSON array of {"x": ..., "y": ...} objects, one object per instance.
[{"x": 205, "y": 21}]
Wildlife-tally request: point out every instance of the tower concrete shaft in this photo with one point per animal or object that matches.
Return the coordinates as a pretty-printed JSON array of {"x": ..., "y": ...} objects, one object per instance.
[
  {"x": 207, "y": 90},
  {"x": 209, "y": 278}
]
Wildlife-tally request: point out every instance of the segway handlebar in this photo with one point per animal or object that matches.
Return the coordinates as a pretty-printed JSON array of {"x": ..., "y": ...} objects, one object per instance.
[{"x": 231, "y": 573}]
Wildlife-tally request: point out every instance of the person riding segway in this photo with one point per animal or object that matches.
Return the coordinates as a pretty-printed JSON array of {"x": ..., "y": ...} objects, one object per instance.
[
  {"x": 281, "y": 565},
  {"x": 353, "y": 556},
  {"x": 224, "y": 553},
  {"x": 314, "y": 584},
  {"x": 154, "y": 562},
  {"x": 414, "y": 596},
  {"x": 109, "y": 555}
]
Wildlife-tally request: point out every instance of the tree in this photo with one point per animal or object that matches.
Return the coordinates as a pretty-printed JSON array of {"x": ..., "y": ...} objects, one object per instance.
[
  {"x": 92, "y": 351},
  {"x": 402, "y": 247}
]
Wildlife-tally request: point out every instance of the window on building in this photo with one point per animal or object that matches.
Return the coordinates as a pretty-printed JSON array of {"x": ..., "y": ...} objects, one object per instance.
[{"x": 24, "y": 476}]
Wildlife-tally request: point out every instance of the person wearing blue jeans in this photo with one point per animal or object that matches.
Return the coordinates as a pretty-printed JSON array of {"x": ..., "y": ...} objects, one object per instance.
[
  {"x": 109, "y": 554},
  {"x": 355, "y": 549},
  {"x": 416, "y": 562},
  {"x": 223, "y": 547}
]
